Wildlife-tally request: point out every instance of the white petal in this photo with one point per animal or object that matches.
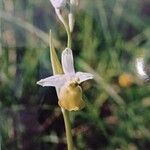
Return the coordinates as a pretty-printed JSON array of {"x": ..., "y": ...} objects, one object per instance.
[
  {"x": 83, "y": 76},
  {"x": 67, "y": 61},
  {"x": 57, "y": 81}
]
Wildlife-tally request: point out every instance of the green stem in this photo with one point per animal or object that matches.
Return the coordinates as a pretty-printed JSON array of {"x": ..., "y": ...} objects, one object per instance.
[
  {"x": 68, "y": 129},
  {"x": 58, "y": 12}
]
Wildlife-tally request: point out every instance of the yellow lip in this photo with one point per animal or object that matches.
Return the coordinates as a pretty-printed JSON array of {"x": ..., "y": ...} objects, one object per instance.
[{"x": 70, "y": 97}]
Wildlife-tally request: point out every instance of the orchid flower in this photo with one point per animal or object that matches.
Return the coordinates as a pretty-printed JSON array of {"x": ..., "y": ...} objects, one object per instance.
[{"x": 70, "y": 93}]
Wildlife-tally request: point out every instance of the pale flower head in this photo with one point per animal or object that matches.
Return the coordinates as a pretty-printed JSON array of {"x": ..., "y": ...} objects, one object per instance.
[
  {"x": 69, "y": 72},
  {"x": 58, "y": 4},
  {"x": 70, "y": 96}
]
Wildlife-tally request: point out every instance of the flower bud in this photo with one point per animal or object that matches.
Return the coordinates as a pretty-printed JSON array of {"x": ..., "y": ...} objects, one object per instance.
[
  {"x": 71, "y": 21},
  {"x": 71, "y": 15},
  {"x": 74, "y": 2},
  {"x": 70, "y": 97},
  {"x": 58, "y": 4}
]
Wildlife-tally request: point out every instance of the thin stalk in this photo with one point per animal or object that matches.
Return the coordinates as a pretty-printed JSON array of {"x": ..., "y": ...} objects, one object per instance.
[
  {"x": 68, "y": 129},
  {"x": 58, "y": 12}
]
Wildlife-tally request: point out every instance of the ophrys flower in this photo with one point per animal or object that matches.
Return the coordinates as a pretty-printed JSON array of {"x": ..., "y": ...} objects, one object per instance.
[{"x": 70, "y": 92}]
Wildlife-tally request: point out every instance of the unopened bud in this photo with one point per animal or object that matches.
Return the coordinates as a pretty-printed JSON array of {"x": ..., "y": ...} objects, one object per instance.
[
  {"x": 74, "y": 2},
  {"x": 71, "y": 15},
  {"x": 58, "y": 4},
  {"x": 71, "y": 21}
]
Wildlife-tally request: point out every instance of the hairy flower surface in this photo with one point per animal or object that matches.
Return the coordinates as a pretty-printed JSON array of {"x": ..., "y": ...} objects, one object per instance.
[
  {"x": 70, "y": 93},
  {"x": 58, "y": 4}
]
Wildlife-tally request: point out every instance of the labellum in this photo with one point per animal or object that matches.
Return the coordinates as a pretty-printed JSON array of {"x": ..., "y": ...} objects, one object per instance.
[{"x": 70, "y": 97}]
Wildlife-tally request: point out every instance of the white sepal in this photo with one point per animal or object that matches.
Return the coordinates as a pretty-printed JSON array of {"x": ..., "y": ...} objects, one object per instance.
[
  {"x": 67, "y": 61},
  {"x": 83, "y": 76},
  {"x": 56, "y": 81}
]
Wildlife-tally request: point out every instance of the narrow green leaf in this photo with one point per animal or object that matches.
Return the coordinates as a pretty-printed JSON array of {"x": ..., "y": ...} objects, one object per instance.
[{"x": 56, "y": 66}]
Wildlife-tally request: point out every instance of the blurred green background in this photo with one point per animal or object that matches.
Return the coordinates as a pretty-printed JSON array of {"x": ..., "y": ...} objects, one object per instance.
[{"x": 111, "y": 39}]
